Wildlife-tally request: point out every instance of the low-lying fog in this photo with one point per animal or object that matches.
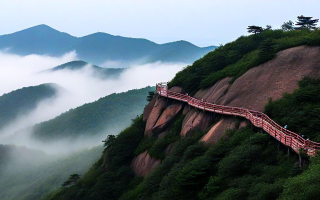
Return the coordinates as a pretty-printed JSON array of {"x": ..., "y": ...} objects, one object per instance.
[{"x": 77, "y": 87}]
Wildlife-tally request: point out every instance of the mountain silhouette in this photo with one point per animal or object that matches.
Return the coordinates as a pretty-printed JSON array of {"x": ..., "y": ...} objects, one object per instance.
[{"x": 99, "y": 47}]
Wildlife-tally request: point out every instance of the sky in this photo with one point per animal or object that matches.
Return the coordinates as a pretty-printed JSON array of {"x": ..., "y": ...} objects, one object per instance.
[{"x": 201, "y": 22}]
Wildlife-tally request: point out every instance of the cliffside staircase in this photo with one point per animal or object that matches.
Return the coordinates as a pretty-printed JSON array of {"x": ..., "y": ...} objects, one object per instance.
[{"x": 258, "y": 119}]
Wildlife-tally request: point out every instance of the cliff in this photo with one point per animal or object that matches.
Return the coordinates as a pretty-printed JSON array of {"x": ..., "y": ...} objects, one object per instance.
[{"x": 252, "y": 90}]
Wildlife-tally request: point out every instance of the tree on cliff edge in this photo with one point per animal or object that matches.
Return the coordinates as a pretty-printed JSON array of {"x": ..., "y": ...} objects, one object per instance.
[
  {"x": 306, "y": 22},
  {"x": 254, "y": 29}
]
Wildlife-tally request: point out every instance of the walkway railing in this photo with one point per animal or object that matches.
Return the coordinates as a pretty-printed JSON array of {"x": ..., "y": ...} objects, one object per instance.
[{"x": 258, "y": 119}]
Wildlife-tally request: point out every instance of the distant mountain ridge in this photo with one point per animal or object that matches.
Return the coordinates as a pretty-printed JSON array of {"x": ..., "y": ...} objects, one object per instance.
[
  {"x": 99, "y": 47},
  {"x": 98, "y": 71}
]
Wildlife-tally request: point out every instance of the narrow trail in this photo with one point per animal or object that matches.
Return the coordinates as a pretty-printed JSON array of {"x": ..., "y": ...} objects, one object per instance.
[{"x": 258, "y": 119}]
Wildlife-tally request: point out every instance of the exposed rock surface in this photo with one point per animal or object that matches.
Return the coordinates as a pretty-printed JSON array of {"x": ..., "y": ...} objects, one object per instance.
[
  {"x": 156, "y": 111},
  {"x": 195, "y": 120},
  {"x": 143, "y": 164},
  {"x": 270, "y": 80},
  {"x": 252, "y": 90},
  {"x": 217, "y": 131},
  {"x": 166, "y": 117},
  {"x": 147, "y": 110},
  {"x": 215, "y": 92},
  {"x": 158, "y": 107}
]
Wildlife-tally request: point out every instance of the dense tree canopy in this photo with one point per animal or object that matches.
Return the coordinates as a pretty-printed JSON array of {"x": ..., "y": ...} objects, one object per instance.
[{"x": 23, "y": 100}]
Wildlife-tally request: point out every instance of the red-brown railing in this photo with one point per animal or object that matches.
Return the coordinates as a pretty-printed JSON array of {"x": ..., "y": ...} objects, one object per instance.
[{"x": 258, "y": 119}]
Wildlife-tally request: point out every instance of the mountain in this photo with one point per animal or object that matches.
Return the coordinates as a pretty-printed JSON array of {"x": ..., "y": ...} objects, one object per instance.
[
  {"x": 98, "y": 71},
  {"x": 99, "y": 47},
  {"x": 21, "y": 101},
  {"x": 177, "y": 151},
  {"x": 39, "y": 39},
  {"x": 113, "y": 112}
]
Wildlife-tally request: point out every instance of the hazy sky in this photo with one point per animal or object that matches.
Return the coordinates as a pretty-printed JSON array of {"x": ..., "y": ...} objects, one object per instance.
[{"x": 202, "y": 22}]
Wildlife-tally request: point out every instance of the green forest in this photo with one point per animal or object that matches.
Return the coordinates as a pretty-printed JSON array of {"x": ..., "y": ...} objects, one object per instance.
[
  {"x": 23, "y": 100},
  {"x": 111, "y": 112},
  {"x": 28, "y": 174}
]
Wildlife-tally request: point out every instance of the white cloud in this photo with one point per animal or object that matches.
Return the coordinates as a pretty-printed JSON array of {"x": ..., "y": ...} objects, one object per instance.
[{"x": 79, "y": 87}]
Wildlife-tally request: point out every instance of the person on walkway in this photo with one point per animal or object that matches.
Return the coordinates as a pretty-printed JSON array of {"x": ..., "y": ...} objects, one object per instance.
[{"x": 285, "y": 126}]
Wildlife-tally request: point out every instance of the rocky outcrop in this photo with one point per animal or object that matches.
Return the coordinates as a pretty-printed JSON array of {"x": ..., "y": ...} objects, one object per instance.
[
  {"x": 215, "y": 92},
  {"x": 195, "y": 120},
  {"x": 252, "y": 90},
  {"x": 156, "y": 111},
  {"x": 147, "y": 110},
  {"x": 217, "y": 131},
  {"x": 166, "y": 117},
  {"x": 143, "y": 164},
  {"x": 157, "y": 121},
  {"x": 271, "y": 79}
]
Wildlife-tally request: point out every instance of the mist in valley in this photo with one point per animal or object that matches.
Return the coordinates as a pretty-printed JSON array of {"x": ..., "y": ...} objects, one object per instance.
[
  {"x": 75, "y": 88},
  {"x": 52, "y": 162}
]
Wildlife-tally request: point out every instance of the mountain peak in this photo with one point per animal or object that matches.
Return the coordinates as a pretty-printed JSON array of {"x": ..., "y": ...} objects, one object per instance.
[{"x": 39, "y": 28}]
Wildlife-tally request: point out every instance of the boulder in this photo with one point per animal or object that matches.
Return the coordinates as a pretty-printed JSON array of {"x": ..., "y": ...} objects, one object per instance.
[
  {"x": 147, "y": 110},
  {"x": 166, "y": 117},
  {"x": 156, "y": 111},
  {"x": 218, "y": 130},
  {"x": 143, "y": 164}
]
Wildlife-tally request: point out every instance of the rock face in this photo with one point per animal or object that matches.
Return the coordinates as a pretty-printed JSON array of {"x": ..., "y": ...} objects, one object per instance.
[
  {"x": 270, "y": 80},
  {"x": 166, "y": 117},
  {"x": 195, "y": 120},
  {"x": 147, "y": 110},
  {"x": 158, "y": 120},
  {"x": 143, "y": 164},
  {"x": 156, "y": 111},
  {"x": 252, "y": 90},
  {"x": 217, "y": 131}
]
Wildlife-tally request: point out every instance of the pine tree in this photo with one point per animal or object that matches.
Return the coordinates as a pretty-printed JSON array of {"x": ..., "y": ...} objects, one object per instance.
[
  {"x": 306, "y": 22},
  {"x": 254, "y": 29},
  {"x": 71, "y": 181},
  {"x": 287, "y": 26},
  {"x": 150, "y": 95}
]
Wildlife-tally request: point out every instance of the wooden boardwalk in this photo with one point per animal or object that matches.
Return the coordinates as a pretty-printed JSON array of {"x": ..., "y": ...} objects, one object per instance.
[{"x": 258, "y": 119}]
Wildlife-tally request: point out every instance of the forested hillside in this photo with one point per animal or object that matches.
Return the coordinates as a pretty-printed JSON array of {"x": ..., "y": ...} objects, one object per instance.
[
  {"x": 113, "y": 112},
  {"x": 242, "y": 162},
  {"x": 28, "y": 174},
  {"x": 21, "y": 101}
]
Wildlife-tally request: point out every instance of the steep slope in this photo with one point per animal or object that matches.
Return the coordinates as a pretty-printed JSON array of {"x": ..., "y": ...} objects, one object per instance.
[
  {"x": 97, "y": 71},
  {"x": 112, "y": 112},
  {"x": 23, "y": 100},
  {"x": 99, "y": 47},
  {"x": 40, "y": 39}
]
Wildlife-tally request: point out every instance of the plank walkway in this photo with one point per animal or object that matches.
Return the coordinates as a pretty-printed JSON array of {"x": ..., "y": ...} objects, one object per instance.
[{"x": 258, "y": 119}]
